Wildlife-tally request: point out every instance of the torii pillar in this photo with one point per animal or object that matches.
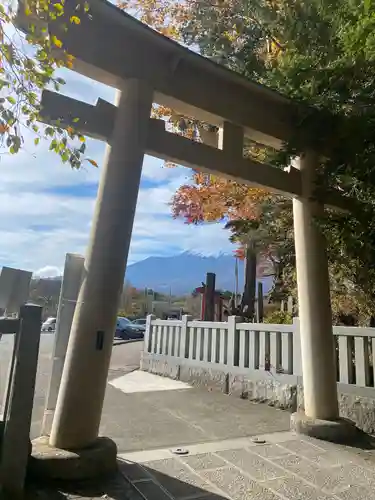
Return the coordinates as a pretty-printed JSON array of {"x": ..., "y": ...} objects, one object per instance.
[
  {"x": 80, "y": 401},
  {"x": 321, "y": 413}
]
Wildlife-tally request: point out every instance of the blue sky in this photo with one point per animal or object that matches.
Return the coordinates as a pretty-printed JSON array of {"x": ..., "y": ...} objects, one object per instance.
[{"x": 46, "y": 208}]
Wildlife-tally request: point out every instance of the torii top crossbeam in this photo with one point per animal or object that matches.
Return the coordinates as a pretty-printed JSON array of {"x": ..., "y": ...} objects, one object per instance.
[{"x": 111, "y": 46}]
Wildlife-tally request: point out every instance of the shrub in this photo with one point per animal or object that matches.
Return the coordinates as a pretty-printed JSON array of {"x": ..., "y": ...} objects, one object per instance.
[{"x": 279, "y": 318}]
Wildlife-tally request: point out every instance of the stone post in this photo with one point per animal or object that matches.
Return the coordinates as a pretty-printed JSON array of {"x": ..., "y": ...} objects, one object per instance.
[
  {"x": 80, "y": 401},
  {"x": 317, "y": 344},
  {"x": 71, "y": 283}
]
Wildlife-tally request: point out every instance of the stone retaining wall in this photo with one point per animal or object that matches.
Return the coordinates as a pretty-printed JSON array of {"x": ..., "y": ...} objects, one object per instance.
[{"x": 278, "y": 390}]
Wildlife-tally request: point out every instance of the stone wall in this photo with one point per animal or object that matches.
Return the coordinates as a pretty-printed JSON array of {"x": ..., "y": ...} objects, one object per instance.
[
  {"x": 278, "y": 390},
  {"x": 274, "y": 389},
  {"x": 355, "y": 403}
]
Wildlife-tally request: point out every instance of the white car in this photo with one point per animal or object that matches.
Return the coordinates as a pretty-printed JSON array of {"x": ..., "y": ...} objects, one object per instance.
[{"x": 49, "y": 325}]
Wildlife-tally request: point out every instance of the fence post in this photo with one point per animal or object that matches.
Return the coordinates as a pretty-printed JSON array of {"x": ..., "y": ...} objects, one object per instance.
[
  {"x": 185, "y": 337},
  {"x": 16, "y": 438},
  {"x": 148, "y": 333},
  {"x": 297, "y": 356},
  {"x": 345, "y": 359},
  {"x": 233, "y": 354}
]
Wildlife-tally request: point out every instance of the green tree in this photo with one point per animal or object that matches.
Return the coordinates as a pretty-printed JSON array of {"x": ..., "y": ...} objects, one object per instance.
[
  {"x": 322, "y": 54},
  {"x": 28, "y": 64}
]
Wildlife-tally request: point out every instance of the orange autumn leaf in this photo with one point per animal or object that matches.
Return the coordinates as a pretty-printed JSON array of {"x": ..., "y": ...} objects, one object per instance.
[
  {"x": 92, "y": 162},
  {"x": 3, "y": 128},
  {"x": 211, "y": 198}
]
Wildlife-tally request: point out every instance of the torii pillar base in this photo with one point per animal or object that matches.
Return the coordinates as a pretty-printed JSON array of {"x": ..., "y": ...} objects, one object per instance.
[
  {"x": 95, "y": 461},
  {"x": 339, "y": 431}
]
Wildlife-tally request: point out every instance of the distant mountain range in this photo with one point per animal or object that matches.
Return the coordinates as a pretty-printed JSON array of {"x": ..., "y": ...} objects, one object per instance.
[
  {"x": 179, "y": 273},
  {"x": 185, "y": 272}
]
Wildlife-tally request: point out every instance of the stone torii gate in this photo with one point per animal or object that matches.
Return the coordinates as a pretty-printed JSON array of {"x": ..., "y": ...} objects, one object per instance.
[{"x": 114, "y": 48}]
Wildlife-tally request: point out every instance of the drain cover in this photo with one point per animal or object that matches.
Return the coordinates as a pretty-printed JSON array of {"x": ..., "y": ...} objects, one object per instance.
[
  {"x": 180, "y": 451},
  {"x": 258, "y": 441}
]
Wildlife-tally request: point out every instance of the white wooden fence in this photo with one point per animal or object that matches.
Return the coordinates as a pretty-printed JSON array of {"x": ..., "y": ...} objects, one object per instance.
[
  {"x": 356, "y": 355},
  {"x": 263, "y": 347}
]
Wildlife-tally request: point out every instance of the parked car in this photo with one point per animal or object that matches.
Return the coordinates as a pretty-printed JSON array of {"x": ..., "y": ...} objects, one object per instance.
[
  {"x": 49, "y": 325},
  {"x": 140, "y": 322},
  {"x": 126, "y": 329}
]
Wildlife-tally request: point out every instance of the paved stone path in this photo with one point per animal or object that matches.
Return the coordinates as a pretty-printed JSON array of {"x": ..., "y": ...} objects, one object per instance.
[
  {"x": 235, "y": 450},
  {"x": 278, "y": 466},
  {"x": 284, "y": 466}
]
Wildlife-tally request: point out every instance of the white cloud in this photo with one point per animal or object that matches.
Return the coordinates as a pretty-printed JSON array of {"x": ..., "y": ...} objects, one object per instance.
[
  {"x": 42, "y": 218},
  {"x": 48, "y": 272}
]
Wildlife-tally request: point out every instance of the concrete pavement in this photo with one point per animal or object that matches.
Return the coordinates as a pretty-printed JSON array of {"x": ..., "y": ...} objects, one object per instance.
[
  {"x": 125, "y": 358},
  {"x": 159, "y": 418},
  {"x": 234, "y": 449},
  {"x": 178, "y": 418}
]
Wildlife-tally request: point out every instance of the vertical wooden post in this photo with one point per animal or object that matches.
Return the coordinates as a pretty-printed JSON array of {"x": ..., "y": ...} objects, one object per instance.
[
  {"x": 248, "y": 298},
  {"x": 149, "y": 333},
  {"x": 184, "y": 344},
  {"x": 209, "y": 297},
  {"x": 233, "y": 342},
  {"x": 15, "y": 445},
  {"x": 297, "y": 355},
  {"x": 260, "y": 310}
]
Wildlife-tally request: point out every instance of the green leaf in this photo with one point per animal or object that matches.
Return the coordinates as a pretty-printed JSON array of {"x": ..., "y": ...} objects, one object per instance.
[
  {"x": 36, "y": 141},
  {"x": 54, "y": 145},
  {"x": 58, "y": 7},
  {"x": 17, "y": 142},
  {"x": 11, "y": 99},
  {"x": 64, "y": 156},
  {"x": 75, "y": 20}
]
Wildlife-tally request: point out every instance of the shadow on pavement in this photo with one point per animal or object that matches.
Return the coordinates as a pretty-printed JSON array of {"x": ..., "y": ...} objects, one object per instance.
[
  {"x": 132, "y": 482},
  {"x": 117, "y": 342},
  {"x": 177, "y": 488},
  {"x": 166, "y": 479}
]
